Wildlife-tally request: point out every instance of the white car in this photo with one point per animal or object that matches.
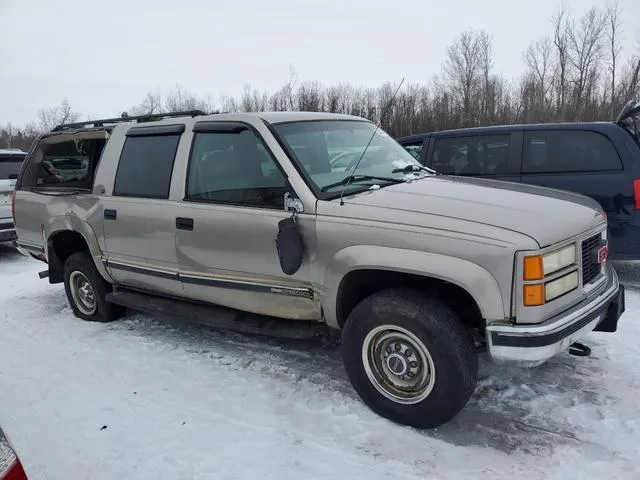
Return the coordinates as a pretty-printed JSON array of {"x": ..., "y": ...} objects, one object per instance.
[{"x": 10, "y": 163}]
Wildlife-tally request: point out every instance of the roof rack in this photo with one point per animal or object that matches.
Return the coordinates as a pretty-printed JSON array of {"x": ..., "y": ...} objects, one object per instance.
[{"x": 125, "y": 118}]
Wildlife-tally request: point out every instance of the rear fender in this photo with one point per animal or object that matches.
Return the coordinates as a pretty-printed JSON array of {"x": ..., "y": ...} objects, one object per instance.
[{"x": 71, "y": 222}]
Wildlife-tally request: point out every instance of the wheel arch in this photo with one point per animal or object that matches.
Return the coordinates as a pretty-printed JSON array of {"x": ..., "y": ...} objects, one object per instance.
[
  {"x": 389, "y": 267},
  {"x": 67, "y": 236}
]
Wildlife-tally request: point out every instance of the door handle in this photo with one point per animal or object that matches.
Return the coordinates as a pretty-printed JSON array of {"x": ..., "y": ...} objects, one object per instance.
[
  {"x": 184, "y": 223},
  {"x": 110, "y": 214}
]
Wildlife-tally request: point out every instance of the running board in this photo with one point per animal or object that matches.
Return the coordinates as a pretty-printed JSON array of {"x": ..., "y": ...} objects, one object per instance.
[{"x": 220, "y": 317}]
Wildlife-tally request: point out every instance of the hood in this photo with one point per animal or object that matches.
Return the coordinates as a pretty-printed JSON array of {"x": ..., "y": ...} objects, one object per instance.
[{"x": 544, "y": 214}]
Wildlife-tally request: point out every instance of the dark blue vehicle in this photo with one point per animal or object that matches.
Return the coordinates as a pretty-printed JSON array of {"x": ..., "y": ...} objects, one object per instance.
[{"x": 597, "y": 159}]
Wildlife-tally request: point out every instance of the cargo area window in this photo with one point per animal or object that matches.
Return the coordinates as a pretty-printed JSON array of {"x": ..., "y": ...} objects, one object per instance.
[
  {"x": 66, "y": 161},
  {"x": 146, "y": 163},
  {"x": 234, "y": 168},
  {"x": 564, "y": 151}
]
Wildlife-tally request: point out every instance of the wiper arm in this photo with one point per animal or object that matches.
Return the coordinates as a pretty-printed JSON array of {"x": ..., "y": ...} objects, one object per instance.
[
  {"x": 357, "y": 178},
  {"x": 412, "y": 168}
]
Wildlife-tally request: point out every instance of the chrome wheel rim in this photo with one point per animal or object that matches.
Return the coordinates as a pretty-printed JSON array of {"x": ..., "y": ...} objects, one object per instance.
[
  {"x": 82, "y": 292},
  {"x": 398, "y": 364}
]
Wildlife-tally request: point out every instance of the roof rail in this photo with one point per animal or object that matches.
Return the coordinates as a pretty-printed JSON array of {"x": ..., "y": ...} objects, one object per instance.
[{"x": 125, "y": 118}]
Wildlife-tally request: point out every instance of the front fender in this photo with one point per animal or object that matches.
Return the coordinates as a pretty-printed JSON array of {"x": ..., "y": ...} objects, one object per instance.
[{"x": 477, "y": 281}]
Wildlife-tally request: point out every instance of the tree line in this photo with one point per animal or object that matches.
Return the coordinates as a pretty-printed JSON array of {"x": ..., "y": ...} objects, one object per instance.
[{"x": 576, "y": 73}]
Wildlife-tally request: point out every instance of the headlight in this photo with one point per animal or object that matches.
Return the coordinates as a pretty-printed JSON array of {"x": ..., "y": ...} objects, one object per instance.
[
  {"x": 560, "y": 286},
  {"x": 538, "y": 266},
  {"x": 554, "y": 261}
]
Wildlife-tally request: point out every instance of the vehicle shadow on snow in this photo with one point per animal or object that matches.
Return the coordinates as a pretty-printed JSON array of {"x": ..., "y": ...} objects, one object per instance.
[
  {"x": 8, "y": 253},
  {"x": 511, "y": 409}
]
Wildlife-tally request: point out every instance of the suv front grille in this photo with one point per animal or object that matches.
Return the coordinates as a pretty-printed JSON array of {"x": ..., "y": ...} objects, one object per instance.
[{"x": 590, "y": 266}]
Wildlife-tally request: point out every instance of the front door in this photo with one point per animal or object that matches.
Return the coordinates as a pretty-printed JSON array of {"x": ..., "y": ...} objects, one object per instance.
[{"x": 227, "y": 224}]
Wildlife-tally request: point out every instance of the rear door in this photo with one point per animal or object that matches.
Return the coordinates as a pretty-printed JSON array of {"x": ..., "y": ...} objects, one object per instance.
[
  {"x": 10, "y": 163},
  {"x": 582, "y": 161},
  {"x": 487, "y": 155},
  {"x": 139, "y": 217}
]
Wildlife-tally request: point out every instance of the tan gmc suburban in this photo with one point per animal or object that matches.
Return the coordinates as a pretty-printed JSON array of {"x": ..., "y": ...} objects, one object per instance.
[{"x": 283, "y": 222}]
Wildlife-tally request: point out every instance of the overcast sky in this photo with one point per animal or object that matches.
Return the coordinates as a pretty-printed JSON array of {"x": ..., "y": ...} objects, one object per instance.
[{"x": 105, "y": 56}]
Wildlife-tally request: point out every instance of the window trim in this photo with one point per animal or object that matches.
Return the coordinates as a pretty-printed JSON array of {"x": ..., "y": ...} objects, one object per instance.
[
  {"x": 525, "y": 150},
  {"x": 149, "y": 132},
  {"x": 218, "y": 127},
  {"x": 156, "y": 131}
]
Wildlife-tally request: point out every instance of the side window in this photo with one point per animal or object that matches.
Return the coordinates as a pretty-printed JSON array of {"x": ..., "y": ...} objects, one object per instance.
[
  {"x": 471, "y": 155},
  {"x": 234, "y": 168},
  {"x": 559, "y": 151},
  {"x": 146, "y": 165},
  {"x": 414, "y": 148},
  {"x": 59, "y": 162}
]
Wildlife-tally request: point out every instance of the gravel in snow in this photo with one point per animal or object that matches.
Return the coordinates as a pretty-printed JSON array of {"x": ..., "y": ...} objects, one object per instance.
[{"x": 154, "y": 398}]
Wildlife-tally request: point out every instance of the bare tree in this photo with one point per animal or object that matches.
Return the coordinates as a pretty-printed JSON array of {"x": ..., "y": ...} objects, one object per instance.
[
  {"x": 538, "y": 57},
  {"x": 561, "y": 27},
  {"x": 586, "y": 50},
  {"x": 465, "y": 68},
  {"x": 53, "y": 116},
  {"x": 614, "y": 46},
  {"x": 181, "y": 99},
  {"x": 152, "y": 103}
]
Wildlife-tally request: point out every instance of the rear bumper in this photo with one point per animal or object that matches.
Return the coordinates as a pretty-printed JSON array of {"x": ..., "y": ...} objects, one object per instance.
[{"x": 534, "y": 344}]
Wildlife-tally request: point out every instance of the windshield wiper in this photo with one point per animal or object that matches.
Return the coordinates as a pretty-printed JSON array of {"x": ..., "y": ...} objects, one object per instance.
[
  {"x": 357, "y": 178},
  {"x": 412, "y": 168}
]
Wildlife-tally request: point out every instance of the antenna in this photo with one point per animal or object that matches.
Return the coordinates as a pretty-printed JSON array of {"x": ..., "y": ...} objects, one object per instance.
[{"x": 382, "y": 114}]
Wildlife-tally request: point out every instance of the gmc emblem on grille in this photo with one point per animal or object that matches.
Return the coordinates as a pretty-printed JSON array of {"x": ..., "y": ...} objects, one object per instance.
[{"x": 602, "y": 254}]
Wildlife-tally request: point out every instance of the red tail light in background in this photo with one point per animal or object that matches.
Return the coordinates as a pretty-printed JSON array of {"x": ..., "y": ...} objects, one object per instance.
[
  {"x": 13, "y": 206},
  {"x": 636, "y": 192},
  {"x": 10, "y": 466}
]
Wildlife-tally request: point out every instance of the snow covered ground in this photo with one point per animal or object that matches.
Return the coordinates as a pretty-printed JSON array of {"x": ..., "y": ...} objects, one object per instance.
[{"x": 151, "y": 398}]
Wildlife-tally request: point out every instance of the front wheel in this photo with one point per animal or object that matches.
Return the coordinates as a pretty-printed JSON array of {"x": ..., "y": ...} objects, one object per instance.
[
  {"x": 409, "y": 358},
  {"x": 86, "y": 290}
]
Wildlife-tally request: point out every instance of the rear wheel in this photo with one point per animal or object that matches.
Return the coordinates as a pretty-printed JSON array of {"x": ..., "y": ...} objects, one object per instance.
[
  {"x": 409, "y": 358},
  {"x": 87, "y": 290}
]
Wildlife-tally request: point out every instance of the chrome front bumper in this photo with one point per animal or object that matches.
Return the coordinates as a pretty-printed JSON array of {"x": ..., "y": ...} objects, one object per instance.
[{"x": 531, "y": 345}]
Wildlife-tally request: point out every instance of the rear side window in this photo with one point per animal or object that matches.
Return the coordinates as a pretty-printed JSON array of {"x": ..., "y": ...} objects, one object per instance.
[
  {"x": 10, "y": 166},
  {"x": 63, "y": 163},
  {"x": 146, "y": 163},
  {"x": 564, "y": 151},
  {"x": 471, "y": 155}
]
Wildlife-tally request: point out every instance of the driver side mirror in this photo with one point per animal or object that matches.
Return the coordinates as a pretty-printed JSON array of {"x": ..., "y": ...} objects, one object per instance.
[{"x": 292, "y": 204}]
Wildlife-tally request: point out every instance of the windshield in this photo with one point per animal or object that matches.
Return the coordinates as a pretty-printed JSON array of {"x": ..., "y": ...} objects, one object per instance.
[{"x": 329, "y": 150}]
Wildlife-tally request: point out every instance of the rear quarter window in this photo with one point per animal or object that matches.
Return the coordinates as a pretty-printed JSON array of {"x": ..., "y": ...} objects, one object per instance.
[{"x": 566, "y": 151}]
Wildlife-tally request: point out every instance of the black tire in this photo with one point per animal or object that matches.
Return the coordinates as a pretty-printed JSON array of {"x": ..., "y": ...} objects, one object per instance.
[
  {"x": 78, "y": 268},
  {"x": 449, "y": 347}
]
